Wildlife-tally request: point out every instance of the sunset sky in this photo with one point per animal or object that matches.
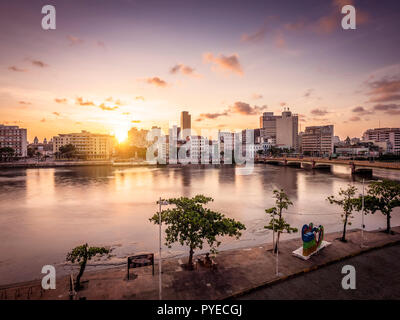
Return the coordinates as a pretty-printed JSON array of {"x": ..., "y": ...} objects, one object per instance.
[{"x": 111, "y": 65}]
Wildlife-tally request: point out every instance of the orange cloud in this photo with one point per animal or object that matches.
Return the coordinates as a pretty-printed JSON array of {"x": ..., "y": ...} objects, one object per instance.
[
  {"x": 39, "y": 63},
  {"x": 80, "y": 102},
  {"x": 61, "y": 100},
  {"x": 183, "y": 69},
  {"x": 224, "y": 63},
  {"x": 104, "y": 107},
  {"x": 157, "y": 82},
  {"x": 74, "y": 40},
  {"x": 385, "y": 90},
  {"x": 16, "y": 69},
  {"x": 319, "y": 112},
  {"x": 257, "y": 96}
]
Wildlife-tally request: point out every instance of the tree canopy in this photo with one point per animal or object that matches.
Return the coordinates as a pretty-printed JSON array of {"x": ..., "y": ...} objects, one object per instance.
[
  {"x": 278, "y": 223},
  {"x": 346, "y": 199},
  {"x": 383, "y": 196},
  {"x": 190, "y": 223},
  {"x": 81, "y": 254}
]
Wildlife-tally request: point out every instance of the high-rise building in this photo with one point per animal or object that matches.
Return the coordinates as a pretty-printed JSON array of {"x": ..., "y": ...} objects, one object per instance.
[
  {"x": 268, "y": 127},
  {"x": 280, "y": 130},
  {"x": 15, "y": 138},
  {"x": 287, "y": 129},
  {"x": 389, "y": 135},
  {"x": 252, "y": 134},
  {"x": 186, "y": 124},
  {"x": 90, "y": 146},
  {"x": 317, "y": 140}
]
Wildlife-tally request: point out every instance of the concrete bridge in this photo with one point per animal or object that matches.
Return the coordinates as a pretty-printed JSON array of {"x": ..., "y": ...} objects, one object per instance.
[{"x": 356, "y": 166}]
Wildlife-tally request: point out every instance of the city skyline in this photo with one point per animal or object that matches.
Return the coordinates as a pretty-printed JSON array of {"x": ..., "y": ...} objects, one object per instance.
[{"x": 108, "y": 67}]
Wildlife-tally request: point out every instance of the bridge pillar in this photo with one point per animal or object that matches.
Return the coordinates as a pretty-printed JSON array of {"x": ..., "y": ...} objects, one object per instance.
[{"x": 353, "y": 167}]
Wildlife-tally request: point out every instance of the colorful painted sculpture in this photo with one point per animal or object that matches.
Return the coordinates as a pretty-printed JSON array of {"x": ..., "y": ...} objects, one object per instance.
[{"x": 309, "y": 236}]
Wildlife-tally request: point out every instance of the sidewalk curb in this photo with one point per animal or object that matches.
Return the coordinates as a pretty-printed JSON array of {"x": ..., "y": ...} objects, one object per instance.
[{"x": 307, "y": 270}]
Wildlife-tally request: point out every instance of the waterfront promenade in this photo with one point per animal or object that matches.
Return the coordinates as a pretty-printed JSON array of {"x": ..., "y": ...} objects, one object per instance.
[{"x": 238, "y": 272}]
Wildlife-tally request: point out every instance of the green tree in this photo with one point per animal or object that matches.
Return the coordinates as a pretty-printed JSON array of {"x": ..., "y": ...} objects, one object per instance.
[
  {"x": 349, "y": 203},
  {"x": 277, "y": 222},
  {"x": 68, "y": 151},
  {"x": 31, "y": 152},
  {"x": 190, "y": 223},
  {"x": 7, "y": 153},
  {"x": 383, "y": 196},
  {"x": 81, "y": 255}
]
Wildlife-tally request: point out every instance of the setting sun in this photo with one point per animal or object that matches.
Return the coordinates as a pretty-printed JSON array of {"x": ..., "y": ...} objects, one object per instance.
[{"x": 121, "y": 134}]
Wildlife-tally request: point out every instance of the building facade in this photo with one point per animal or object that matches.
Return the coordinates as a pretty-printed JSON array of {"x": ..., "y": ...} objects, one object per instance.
[
  {"x": 88, "y": 145},
  {"x": 186, "y": 124},
  {"x": 268, "y": 127},
  {"x": 317, "y": 140},
  {"x": 287, "y": 127},
  {"x": 389, "y": 135},
  {"x": 138, "y": 138},
  {"x": 280, "y": 130},
  {"x": 44, "y": 149},
  {"x": 14, "y": 137}
]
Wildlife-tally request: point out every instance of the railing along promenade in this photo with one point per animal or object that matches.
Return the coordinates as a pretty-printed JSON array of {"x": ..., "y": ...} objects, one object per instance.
[{"x": 350, "y": 163}]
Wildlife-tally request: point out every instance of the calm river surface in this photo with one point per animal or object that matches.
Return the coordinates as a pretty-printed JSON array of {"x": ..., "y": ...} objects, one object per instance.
[{"x": 46, "y": 212}]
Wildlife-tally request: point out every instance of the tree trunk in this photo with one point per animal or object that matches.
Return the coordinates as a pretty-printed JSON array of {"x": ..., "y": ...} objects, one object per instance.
[
  {"x": 276, "y": 243},
  {"x": 78, "y": 278},
  {"x": 388, "y": 223},
  {"x": 190, "y": 263},
  {"x": 344, "y": 230}
]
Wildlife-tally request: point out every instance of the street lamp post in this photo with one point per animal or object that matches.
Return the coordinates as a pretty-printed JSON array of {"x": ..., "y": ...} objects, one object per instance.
[
  {"x": 277, "y": 251},
  {"x": 362, "y": 216},
  {"x": 160, "y": 202}
]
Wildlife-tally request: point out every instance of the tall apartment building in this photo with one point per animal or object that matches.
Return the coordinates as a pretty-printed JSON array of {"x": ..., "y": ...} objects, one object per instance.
[
  {"x": 252, "y": 134},
  {"x": 287, "y": 130},
  {"x": 15, "y": 138},
  {"x": 268, "y": 127},
  {"x": 317, "y": 140},
  {"x": 280, "y": 130},
  {"x": 389, "y": 135},
  {"x": 186, "y": 124},
  {"x": 89, "y": 145}
]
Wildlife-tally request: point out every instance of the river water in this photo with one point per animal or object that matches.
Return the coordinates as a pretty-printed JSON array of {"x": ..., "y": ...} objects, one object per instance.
[{"x": 46, "y": 212}]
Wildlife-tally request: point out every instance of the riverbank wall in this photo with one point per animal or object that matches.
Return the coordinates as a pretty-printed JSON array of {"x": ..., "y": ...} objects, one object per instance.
[{"x": 236, "y": 272}]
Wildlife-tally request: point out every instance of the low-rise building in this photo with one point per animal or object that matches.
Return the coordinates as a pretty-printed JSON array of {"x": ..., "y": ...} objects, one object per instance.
[
  {"x": 389, "y": 135},
  {"x": 90, "y": 146},
  {"x": 317, "y": 140},
  {"x": 43, "y": 148}
]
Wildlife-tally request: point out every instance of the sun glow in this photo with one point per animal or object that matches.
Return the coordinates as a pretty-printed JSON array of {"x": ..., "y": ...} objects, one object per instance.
[{"x": 121, "y": 134}]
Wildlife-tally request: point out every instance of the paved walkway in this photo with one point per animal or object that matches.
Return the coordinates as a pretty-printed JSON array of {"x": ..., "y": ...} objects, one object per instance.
[
  {"x": 377, "y": 277},
  {"x": 238, "y": 272}
]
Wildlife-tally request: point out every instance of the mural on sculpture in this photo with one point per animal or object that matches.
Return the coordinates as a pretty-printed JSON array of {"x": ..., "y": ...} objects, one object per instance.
[{"x": 309, "y": 235}]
